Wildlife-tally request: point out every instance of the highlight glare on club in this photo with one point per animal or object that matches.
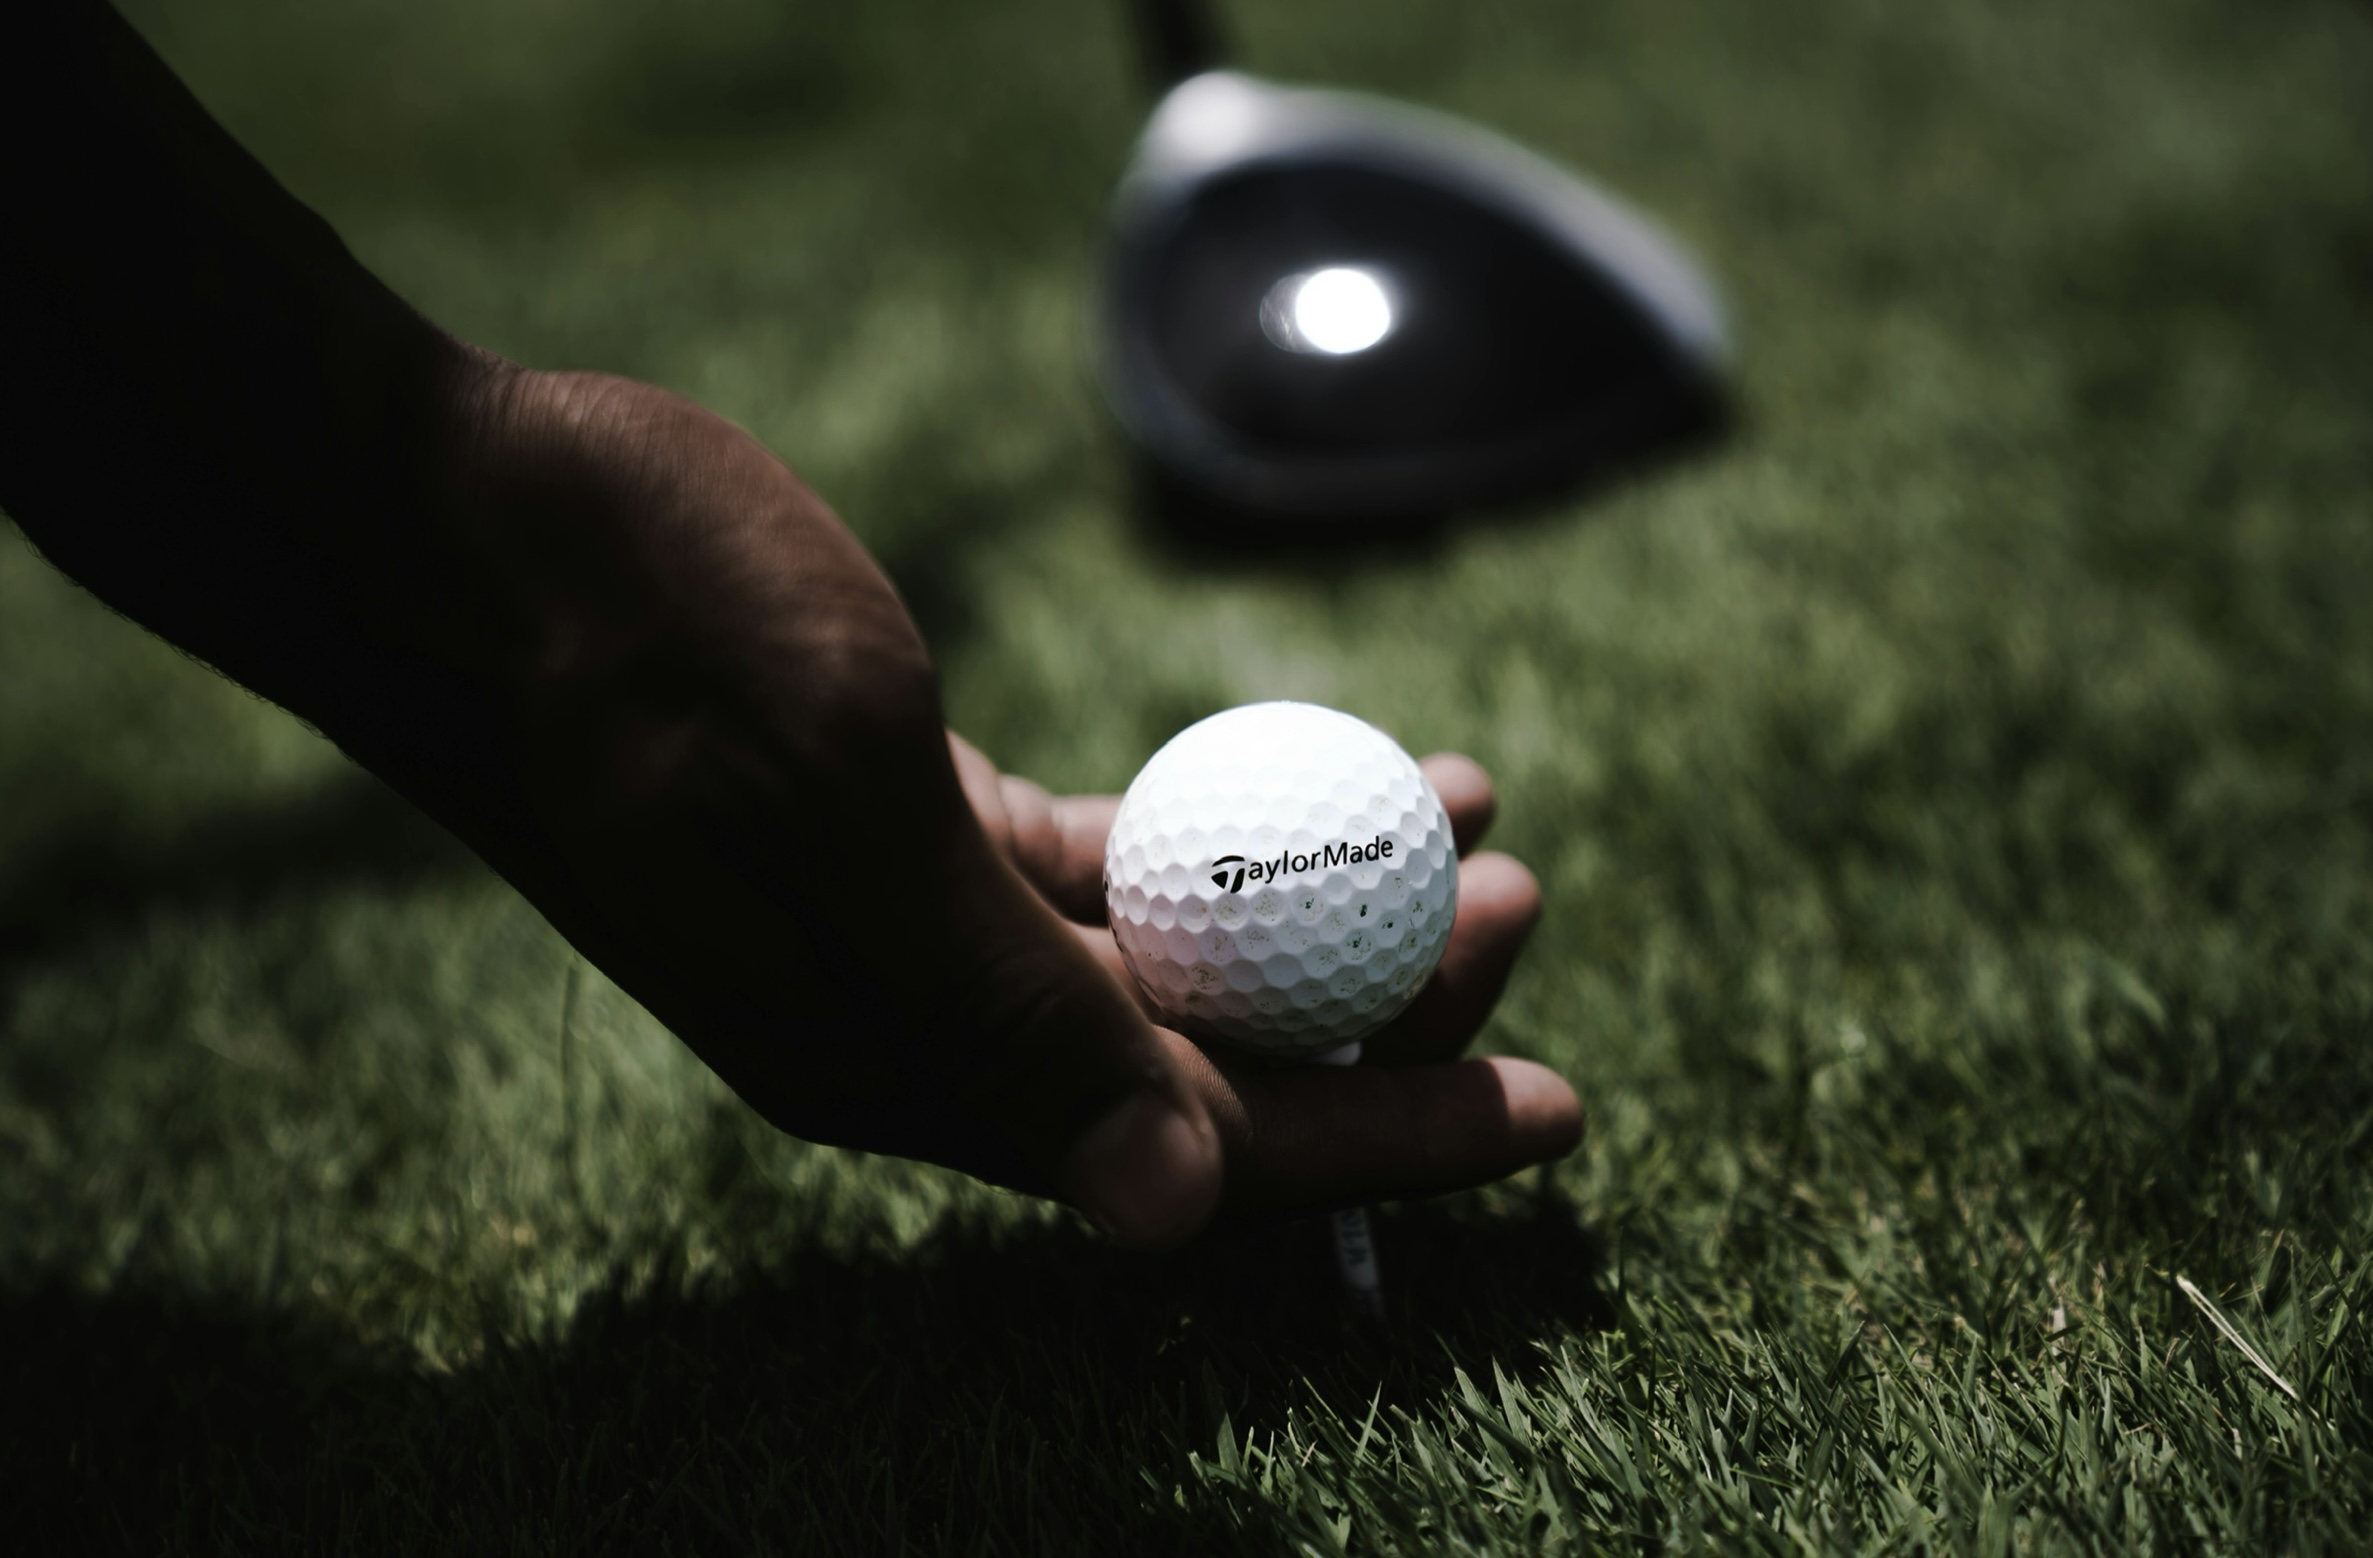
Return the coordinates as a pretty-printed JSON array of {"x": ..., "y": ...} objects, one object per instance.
[{"x": 1333, "y": 312}]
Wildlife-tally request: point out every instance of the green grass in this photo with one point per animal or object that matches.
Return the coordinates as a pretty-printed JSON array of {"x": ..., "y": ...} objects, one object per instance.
[{"x": 1954, "y": 797}]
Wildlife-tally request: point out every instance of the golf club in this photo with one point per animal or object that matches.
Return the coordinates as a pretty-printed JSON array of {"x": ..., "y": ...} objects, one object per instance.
[{"x": 1326, "y": 311}]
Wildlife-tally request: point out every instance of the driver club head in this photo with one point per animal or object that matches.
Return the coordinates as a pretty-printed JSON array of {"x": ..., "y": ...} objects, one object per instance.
[{"x": 1324, "y": 311}]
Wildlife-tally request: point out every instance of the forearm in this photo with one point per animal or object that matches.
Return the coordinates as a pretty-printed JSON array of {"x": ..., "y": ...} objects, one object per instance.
[{"x": 211, "y": 415}]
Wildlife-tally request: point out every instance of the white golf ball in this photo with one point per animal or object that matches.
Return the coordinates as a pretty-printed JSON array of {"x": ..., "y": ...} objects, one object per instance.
[{"x": 1281, "y": 878}]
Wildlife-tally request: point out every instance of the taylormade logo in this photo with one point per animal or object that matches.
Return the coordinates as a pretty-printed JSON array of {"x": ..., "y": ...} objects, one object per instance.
[{"x": 1233, "y": 871}]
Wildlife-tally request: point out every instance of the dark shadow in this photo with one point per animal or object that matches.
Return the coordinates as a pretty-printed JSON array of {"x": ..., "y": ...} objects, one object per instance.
[
  {"x": 77, "y": 882},
  {"x": 1192, "y": 529},
  {"x": 1027, "y": 1390}
]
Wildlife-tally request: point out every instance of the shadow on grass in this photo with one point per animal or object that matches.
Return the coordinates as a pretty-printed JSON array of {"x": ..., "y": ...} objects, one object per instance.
[
  {"x": 80, "y": 882},
  {"x": 1190, "y": 530},
  {"x": 1018, "y": 1389}
]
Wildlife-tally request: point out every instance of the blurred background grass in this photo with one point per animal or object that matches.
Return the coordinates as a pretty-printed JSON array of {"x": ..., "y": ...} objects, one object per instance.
[{"x": 1954, "y": 797}]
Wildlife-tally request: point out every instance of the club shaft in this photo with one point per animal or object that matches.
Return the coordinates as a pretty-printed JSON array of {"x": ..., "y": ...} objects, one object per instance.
[{"x": 1181, "y": 38}]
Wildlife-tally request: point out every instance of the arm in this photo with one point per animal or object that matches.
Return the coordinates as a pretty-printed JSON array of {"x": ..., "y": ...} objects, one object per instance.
[
  {"x": 630, "y": 659},
  {"x": 193, "y": 355}
]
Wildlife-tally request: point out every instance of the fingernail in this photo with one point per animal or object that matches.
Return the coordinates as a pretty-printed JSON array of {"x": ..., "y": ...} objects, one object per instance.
[{"x": 1146, "y": 1173}]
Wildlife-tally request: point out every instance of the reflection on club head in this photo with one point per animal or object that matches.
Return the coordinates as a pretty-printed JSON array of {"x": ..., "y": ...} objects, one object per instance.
[{"x": 1336, "y": 311}]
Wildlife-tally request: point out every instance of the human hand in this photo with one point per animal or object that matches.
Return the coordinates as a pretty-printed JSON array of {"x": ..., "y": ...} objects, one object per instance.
[
  {"x": 1058, "y": 844},
  {"x": 621, "y": 651},
  {"x": 705, "y": 738}
]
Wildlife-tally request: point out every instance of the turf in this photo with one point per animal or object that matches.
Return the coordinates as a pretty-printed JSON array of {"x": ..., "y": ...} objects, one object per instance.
[{"x": 1953, "y": 792}]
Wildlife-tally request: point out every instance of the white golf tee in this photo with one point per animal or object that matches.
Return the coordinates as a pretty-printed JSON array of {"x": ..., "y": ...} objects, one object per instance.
[{"x": 1355, "y": 1250}]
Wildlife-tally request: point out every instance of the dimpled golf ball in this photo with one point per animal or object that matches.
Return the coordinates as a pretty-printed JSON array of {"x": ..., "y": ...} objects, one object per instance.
[{"x": 1281, "y": 879}]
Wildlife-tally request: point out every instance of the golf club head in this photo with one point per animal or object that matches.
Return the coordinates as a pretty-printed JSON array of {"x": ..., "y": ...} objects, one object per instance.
[{"x": 1325, "y": 310}]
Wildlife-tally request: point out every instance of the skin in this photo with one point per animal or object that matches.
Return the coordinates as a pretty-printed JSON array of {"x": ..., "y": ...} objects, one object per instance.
[
  {"x": 702, "y": 663},
  {"x": 624, "y": 653}
]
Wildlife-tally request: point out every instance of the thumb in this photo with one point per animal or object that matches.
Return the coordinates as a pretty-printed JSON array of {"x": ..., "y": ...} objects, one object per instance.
[{"x": 1064, "y": 1064}]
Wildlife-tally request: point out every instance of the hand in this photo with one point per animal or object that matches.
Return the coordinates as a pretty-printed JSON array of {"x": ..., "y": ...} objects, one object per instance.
[
  {"x": 692, "y": 722},
  {"x": 1323, "y": 1135}
]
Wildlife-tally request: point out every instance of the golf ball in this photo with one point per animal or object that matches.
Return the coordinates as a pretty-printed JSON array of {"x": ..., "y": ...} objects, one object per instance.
[{"x": 1281, "y": 878}]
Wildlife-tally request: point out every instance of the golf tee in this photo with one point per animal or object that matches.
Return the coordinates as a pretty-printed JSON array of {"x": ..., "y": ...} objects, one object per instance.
[{"x": 1355, "y": 1249}]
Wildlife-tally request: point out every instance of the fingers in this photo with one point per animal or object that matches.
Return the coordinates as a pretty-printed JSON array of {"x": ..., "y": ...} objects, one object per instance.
[
  {"x": 1146, "y": 1158},
  {"x": 1058, "y": 841},
  {"x": 1466, "y": 795},
  {"x": 1058, "y": 1059},
  {"x": 982, "y": 791},
  {"x": 1499, "y": 904},
  {"x": 1248, "y": 1140},
  {"x": 1322, "y": 1136},
  {"x": 931, "y": 1004}
]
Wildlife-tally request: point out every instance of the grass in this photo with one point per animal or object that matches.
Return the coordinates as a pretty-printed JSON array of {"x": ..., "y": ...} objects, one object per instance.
[{"x": 1954, "y": 797}]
